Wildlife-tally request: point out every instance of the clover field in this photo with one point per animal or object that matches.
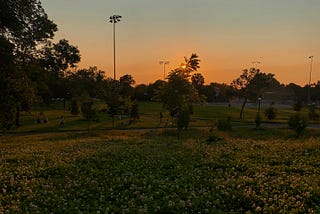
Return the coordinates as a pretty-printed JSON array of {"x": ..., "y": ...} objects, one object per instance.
[{"x": 150, "y": 171}]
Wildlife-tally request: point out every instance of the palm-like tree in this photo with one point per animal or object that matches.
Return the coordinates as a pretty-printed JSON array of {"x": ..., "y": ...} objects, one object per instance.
[{"x": 192, "y": 63}]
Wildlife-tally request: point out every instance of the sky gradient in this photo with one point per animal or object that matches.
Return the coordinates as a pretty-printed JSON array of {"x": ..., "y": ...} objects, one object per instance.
[{"x": 228, "y": 35}]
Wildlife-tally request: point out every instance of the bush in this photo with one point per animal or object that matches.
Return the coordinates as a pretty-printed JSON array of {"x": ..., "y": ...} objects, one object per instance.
[
  {"x": 313, "y": 115},
  {"x": 270, "y": 113},
  {"x": 224, "y": 124},
  {"x": 75, "y": 110},
  {"x": 213, "y": 139},
  {"x": 297, "y": 106},
  {"x": 88, "y": 111},
  {"x": 134, "y": 111},
  {"x": 297, "y": 124}
]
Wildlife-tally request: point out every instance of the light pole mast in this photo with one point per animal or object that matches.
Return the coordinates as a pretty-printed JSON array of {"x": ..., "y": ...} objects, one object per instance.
[
  {"x": 164, "y": 63},
  {"x": 309, "y": 86},
  {"x": 114, "y": 19}
]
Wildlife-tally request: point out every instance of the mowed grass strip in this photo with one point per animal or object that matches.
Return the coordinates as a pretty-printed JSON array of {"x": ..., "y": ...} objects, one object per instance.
[
  {"x": 205, "y": 115},
  {"x": 150, "y": 172}
]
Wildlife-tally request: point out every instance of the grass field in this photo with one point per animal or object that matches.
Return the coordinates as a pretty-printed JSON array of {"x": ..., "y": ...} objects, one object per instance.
[
  {"x": 151, "y": 171},
  {"x": 204, "y": 116},
  {"x": 92, "y": 168}
]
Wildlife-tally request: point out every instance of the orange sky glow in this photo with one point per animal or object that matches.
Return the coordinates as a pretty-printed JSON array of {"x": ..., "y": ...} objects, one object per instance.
[{"x": 227, "y": 35}]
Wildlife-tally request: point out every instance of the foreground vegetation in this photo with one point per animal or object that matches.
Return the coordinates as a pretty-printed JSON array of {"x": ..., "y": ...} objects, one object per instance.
[{"x": 151, "y": 171}]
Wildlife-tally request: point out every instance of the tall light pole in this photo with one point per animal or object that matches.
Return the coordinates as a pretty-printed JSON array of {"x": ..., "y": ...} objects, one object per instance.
[
  {"x": 309, "y": 86},
  {"x": 114, "y": 19},
  {"x": 164, "y": 63},
  {"x": 259, "y": 104},
  {"x": 258, "y": 119}
]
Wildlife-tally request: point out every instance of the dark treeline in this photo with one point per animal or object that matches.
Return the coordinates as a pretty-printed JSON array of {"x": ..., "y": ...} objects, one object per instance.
[{"x": 221, "y": 92}]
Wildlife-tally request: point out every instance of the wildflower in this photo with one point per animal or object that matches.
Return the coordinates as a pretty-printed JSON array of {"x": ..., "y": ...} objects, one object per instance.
[{"x": 258, "y": 209}]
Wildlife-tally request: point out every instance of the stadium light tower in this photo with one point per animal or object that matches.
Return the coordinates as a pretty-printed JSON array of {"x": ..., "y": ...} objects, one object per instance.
[
  {"x": 309, "y": 86},
  {"x": 114, "y": 19},
  {"x": 164, "y": 63}
]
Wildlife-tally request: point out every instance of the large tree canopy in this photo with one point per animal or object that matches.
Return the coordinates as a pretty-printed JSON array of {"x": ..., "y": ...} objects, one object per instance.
[
  {"x": 25, "y": 23},
  {"x": 58, "y": 57},
  {"x": 23, "y": 26}
]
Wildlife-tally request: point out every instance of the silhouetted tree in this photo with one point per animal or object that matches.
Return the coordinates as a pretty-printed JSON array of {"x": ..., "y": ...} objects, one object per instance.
[
  {"x": 299, "y": 92},
  {"x": 154, "y": 87},
  {"x": 217, "y": 92},
  {"x": 58, "y": 57},
  {"x": 178, "y": 94},
  {"x": 141, "y": 92},
  {"x": 125, "y": 85},
  {"x": 56, "y": 60},
  {"x": 83, "y": 81},
  {"x": 24, "y": 25},
  {"x": 198, "y": 82},
  {"x": 249, "y": 85},
  {"x": 120, "y": 101}
]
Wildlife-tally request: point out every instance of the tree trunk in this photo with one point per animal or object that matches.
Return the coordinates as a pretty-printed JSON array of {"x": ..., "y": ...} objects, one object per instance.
[{"x": 242, "y": 107}]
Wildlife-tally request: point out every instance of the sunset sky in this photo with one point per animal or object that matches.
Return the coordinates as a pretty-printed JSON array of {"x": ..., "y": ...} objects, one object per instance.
[{"x": 228, "y": 35}]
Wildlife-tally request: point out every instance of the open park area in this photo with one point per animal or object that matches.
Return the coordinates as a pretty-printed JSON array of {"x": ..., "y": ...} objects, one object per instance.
[
  {"x": 90, "y": 167},
  {"x": 169, "y": 107}
]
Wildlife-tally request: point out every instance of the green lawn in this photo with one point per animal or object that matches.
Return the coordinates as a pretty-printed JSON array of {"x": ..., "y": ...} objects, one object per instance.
[
  {"x": 203, "y": 116},
  {"x": 132, "y": 171}
]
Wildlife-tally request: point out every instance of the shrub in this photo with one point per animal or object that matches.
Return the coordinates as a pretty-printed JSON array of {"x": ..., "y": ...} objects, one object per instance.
[
  {"x": 75, "y": 110},
  {"x": 297, "y": 124},
  {"x": 313, "y": 115},
  {"x": 297, "y": 106},
  {"x": 213, "y": 139},
  {"x": 224, "y": 124},
  {"x": 270, "y": 113},
  {"x": 88, "y": 111},
  {"x": 134, "y": 111}
]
